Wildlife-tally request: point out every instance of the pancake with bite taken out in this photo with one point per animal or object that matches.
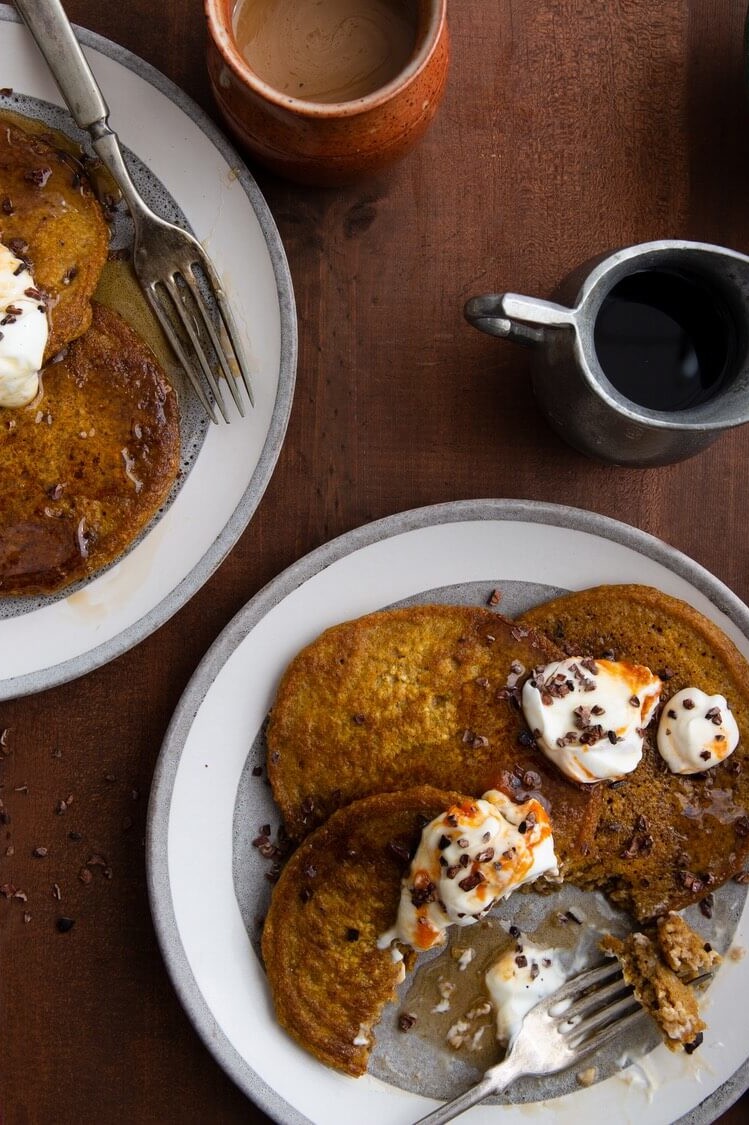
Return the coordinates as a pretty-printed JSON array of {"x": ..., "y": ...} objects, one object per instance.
[
  {"x": 663, "y": 840},
  {"x": 335, "y": 897},
  {"x": 419, "y": 695}
]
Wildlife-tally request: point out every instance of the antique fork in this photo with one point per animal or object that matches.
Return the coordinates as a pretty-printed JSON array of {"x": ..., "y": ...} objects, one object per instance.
[
  {"x": 173, "y": 269},
  {"x": 582, "y": 1016}
]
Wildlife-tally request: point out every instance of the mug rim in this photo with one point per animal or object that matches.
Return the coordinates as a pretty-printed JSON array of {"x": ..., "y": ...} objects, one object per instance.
[
  {"x": 219, "y": 19},
  {"x": 588, "y": 302}
]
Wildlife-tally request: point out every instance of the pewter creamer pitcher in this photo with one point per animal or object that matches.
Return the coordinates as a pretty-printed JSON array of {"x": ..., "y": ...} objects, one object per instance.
[{"x": 571, "y": 386}]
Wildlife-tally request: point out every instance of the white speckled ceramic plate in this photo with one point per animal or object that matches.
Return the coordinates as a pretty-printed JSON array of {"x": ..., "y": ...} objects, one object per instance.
[
  {"x": 48, "y": 641},
  {"x": 205, "y": 804}
]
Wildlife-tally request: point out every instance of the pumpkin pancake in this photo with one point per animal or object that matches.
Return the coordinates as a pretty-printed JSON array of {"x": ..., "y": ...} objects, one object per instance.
[
  {"x": 336, "y": 895},
  {"x": 50, "y": 218},
  {"x": 663, "y": 840},
  {"x": 419, "y": 695},
  {"x": 85, "y": 466}
]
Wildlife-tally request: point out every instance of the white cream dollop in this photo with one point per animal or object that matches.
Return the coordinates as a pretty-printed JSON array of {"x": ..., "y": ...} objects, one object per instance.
[
  {"x": 23, "y": 331},
  {"x": 696, "y": 731},
  {"x": 588, "y": 716},
  {"x": 468, "y": 858},
  {"x": 518, "y": 980}
]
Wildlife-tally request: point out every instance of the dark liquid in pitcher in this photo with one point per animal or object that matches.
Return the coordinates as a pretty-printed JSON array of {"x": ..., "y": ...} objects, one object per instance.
[{"x": 665, "y": 339}]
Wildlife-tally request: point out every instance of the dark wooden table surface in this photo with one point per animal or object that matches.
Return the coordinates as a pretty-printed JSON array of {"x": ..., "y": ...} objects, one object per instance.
[{"x": 569, "y": 127}]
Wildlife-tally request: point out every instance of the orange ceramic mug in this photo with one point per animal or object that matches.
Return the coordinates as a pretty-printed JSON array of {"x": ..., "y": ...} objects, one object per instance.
[{"x": 322, "y": 141}]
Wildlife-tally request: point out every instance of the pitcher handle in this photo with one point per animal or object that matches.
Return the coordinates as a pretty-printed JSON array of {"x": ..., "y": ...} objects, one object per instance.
[{"x": 516, "y": 317}]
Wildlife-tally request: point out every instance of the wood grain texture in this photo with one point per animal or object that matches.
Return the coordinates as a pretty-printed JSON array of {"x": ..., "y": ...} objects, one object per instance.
[{"x": 569, "y": 127}]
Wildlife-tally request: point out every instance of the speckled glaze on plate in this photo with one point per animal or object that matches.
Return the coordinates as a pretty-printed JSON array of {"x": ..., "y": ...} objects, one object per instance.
[
  {"x": 50, "y": 641},
  {"x": 205, "y": 803}
]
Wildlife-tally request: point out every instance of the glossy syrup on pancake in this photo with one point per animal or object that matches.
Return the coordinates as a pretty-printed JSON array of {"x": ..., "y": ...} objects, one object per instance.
[
  {"x": 118, "y": 289},
  {"x": 88, "y": 463},
  {"x": 663, "y": 840}
]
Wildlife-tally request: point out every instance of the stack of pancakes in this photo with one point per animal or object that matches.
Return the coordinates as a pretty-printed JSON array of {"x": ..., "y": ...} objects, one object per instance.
[
  {"x": 380, "y": 722},
  {"x": 88, "y": 463}
]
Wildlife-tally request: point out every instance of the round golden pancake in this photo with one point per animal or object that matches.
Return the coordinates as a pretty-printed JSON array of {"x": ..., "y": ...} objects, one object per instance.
[
  {"x": 413, "y": 696},
  {"x": 86, "y": 466}
]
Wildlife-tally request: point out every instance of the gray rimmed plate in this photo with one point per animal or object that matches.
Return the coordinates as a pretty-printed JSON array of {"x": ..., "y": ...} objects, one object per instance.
[
  {"x": 206, "y": 882},
  {"x": 186, "y": 163}
]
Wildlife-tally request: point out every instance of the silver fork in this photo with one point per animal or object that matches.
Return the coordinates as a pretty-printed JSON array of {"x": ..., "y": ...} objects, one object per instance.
[
  {"x": 173, "y": 269},
  {"x": 582, "y": 1016}
]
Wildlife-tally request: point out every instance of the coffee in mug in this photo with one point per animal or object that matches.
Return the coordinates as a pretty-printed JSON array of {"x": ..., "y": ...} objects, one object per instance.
[
  {"x": 328, "y": 91},
  {"x": 326, "y": 51}
]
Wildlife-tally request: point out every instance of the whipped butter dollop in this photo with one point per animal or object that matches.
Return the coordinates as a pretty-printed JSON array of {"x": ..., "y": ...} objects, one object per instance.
[
  {"x": 468, "y": 858},
  {"x": 589, "y": 716},
  {"x": 696, "y": 731},
  {"x": 23, "y": 331},
  {"x": 518, "y": 980}
]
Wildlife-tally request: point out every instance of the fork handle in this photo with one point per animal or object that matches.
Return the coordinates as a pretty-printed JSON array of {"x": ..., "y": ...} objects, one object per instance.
[
  {"x": 54, "y": 35},
  {"x": 494, "y": 1082},
  {"x": 55, "y": 38}
]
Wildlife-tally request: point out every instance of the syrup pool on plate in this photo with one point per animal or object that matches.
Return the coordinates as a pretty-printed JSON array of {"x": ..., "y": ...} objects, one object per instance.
[{"x": 326, "y": 50}]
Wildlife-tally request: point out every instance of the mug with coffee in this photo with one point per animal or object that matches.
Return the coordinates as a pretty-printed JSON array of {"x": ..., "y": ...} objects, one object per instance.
[
  {"x": 336, "y": 51},
  {"x": 327, "y": 91},
  {"x": 649, "y": 362}
]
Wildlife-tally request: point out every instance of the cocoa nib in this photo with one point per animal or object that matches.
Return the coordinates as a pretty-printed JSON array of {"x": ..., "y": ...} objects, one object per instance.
[
  {"x": 37, "y": 176},
  {"x": 475, "y": 741},
  {"x": 691, "y": 882},
  {"x": 706, "y": 906},
  {"x": 640, "y": 844},
  {"x": 471, "y": 881},
  {"x": 424, "y": 892}
]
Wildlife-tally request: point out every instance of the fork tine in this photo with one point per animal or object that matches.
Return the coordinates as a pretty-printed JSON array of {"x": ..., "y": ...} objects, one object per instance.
[
  {"x": 595, "y": 998},
  {"x": 599, "y": 1011},
  {"x": 576, "y": 1032},
  {"x": 191, "y": 282},
  {"x": 611, "y": 1031},
  {"x": 176, "y": 345},
  {"x": 185, "y": 314},
  {"x": 575, "y": 988},
  {"x": 230, "y": 325}
]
